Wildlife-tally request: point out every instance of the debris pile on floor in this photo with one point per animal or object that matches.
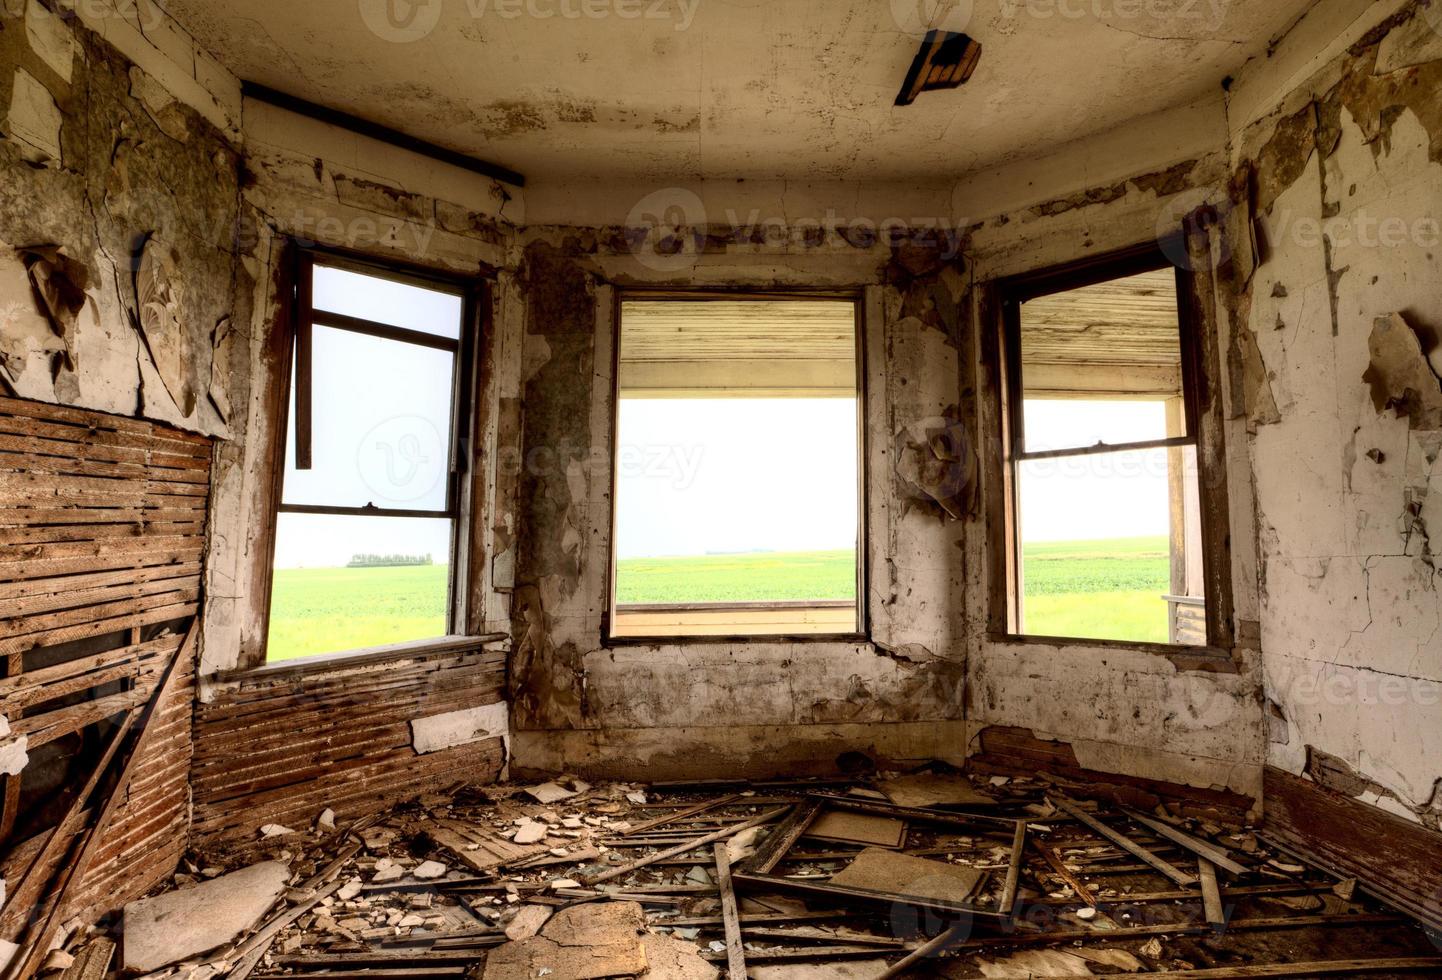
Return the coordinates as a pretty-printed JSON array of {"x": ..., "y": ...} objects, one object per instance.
[{"x": 927, "y": 874}]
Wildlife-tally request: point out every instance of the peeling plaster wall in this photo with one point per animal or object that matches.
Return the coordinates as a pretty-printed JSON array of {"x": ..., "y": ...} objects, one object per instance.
[
  {"x": 312, "y": 183},
  {"x": 1193, "y": 721},
  {"x": 1343, "y": 310},
  {"x": 706, "y": 708},
  {"x": 117, "y": 219}
]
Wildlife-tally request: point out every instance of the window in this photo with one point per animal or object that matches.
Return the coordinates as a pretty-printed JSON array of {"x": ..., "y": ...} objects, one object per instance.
[
  {"x": 1105, "y": 529},
  {"x": 737, "y": 468},
  {"x": 367, "y": 524}
]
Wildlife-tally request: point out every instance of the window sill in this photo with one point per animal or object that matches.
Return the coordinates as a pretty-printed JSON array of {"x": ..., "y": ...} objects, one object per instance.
[
  {"x": 1208, "y": 659},
  {"x": 353, "y": 659},
  {"x": 811, "y": 639}
]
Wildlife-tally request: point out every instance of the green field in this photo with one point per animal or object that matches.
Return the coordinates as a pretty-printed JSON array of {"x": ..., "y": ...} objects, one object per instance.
[
  {"x": 1095, "y": 589},
  {"x": 772, "y": 577},
  {"x": 325, "y": 610},
  {"x": 1098, "y": 589}
]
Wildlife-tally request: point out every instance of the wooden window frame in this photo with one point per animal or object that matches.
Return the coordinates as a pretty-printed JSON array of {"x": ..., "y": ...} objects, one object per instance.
[
  {"x": 863, "y": 541},
  {"x": 1000, "y": 312},
  {"x": 293, "y": 353}
]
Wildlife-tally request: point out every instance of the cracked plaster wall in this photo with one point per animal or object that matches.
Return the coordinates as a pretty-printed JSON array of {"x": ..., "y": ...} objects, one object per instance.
[
  {"x": 1345, "y": 185},
  {"x": 704, "y": 708},
  {"x": 1193, "y": 721}
]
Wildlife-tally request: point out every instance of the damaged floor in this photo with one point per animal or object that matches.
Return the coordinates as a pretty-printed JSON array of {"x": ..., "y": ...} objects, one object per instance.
[{"x": 915, "y": 874}]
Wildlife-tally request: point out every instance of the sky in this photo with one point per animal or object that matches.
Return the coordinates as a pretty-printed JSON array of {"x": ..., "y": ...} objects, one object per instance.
[
  {"x": 703, "y": 476},
  {"x": 1089, "y": 497},
  {"x": 694, "y": 476}
]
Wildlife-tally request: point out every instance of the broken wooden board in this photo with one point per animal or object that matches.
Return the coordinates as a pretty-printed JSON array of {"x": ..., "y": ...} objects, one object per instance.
[
  {"x": 479, "y": 850},
  {"x": 925, "y": 789},
  {"x": 585, "y": 942},
  {"x": 858, "y": 828},
  {"x": 879, "y": 870}
]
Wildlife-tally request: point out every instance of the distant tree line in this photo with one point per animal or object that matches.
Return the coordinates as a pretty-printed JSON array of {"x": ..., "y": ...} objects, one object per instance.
[{"x": 387, "y": 561}]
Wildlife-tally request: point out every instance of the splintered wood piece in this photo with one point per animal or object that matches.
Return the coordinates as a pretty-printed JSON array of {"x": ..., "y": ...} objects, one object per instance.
[
  {"x": 248, "y": 955},
  {"x": 680, "y": 849},
  {"x": 921, "y": 954},
  {"x": 1212, "y": 895},
  {"x": 32, "y": 886},
  {"x": 1066, "y": 874},
  {"x": 1013, "y": 873},
  {"x": 692, "y": 811},
  {"x": 735, "y": 952},
  {"x": 30, "y": 961},
  {"x": 1177, "y": 876},
  {"x": 782, "y": 838}
]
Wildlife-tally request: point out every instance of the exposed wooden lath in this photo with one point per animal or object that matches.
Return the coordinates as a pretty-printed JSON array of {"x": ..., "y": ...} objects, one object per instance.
[
  {"x": 102, "y": 529},
  {"x": 677, "y": 348},
  {"x": 1114, "y": 339}
]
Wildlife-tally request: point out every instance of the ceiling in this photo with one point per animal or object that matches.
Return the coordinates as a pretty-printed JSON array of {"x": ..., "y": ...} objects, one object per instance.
[{"x": 717, "y": 89}]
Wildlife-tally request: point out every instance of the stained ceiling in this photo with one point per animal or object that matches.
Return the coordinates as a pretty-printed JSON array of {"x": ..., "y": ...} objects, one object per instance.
[{"x": 691, "y": 89}]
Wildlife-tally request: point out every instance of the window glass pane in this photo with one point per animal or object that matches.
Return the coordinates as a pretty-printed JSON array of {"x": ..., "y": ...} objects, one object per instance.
[
  {"x": 1110, "y": 547},
  {"x": 381, "y": 425},
  {"x": 736, "y": 500},
  {"x": 1112, "y": 342},
  {"x": 1060, "y": 423},
  {"x": 347, "y": 583},
  {"x": 392, "y": 303}
]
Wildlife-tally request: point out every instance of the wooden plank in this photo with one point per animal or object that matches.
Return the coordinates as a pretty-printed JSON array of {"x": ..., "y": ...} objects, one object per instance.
[
  {"x": 61, "y": 514},
  {"x": 1059, "y": 866},
  {"x": 735, "y": 951},
  {"x": 680, "y": 849},
  {"x": 28, "y": 697},
  {"x": 1202, "y": 849},
  {"x": 161, "y": 614},
  {"x": 92, "y": 962},
  {"x": 936, "y": 947},
  {"x": 1013, "y": 875},
  {"x": 783, "y": 838},
  {"x": 39, "y": 939},
  {"x": 151, "y": 583},
  {"x": 691, "y": 811},
  {"x": 70, "y": 465},
  {"x": 21, "y": 627},
  {"x": 163, "y": 457},
  {"x": 27, "y": 896},
  {"x": 1125, "y": 843},
  {"x": 53, "y": 534},
  {"x": 1395, "y": 860},
  {"x": 112, "y": 560},
  {"x": 85, "y": 425},
  {"x": 1211, "y": 896},
  {"x": 1326, "y": 968},
  {"x": 26, "y": 485}
]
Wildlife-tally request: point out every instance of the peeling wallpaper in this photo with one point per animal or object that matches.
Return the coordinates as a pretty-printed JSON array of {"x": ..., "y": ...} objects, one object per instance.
[{"x": 1343, "y": 394}]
